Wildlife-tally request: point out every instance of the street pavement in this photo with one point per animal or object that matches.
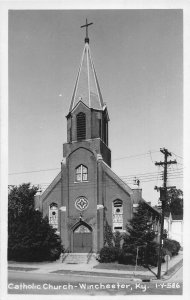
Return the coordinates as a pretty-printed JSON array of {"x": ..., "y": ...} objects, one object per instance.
[
  {"x": 58, "y": 266},
  {"x": 61, "y": 278}
]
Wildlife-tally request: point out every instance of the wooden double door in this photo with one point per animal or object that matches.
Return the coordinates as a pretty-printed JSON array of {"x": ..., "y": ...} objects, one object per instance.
[{"x": 82, "y": 240}]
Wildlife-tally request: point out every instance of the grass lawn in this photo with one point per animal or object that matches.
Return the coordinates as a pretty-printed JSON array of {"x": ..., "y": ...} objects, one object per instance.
[{"x": 116, "y": 266}]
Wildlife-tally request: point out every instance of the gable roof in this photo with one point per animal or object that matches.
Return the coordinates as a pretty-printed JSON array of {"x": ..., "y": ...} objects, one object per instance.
[
  {"x": 152, "y": 208},
  {"x": 56, "y": 180}
]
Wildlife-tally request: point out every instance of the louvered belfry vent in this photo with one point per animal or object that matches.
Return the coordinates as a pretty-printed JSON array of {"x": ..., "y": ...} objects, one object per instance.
[{"x": 81, "y": 126}]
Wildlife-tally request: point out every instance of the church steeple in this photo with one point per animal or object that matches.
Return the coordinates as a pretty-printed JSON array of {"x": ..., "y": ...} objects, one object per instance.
[
  {"x": 88, "y": 118},
  {"x": 87, "y": 87}
]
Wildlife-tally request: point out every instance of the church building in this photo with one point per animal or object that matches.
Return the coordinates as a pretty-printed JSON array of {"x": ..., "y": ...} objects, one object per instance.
[{"x": 87, "y": 193}]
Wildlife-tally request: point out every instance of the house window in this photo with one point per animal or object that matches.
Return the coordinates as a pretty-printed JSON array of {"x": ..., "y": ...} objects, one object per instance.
[
  {"x": 117, "y": 215},
  {"x": 81, "y": 173},
  {"x": 81, "y": 126},
  {"x": 53, "y": 215}
]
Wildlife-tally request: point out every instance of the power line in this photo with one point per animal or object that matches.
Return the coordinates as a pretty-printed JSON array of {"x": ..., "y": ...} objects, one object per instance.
[
  {"x": 177, "y": 155},
  {"x": 74, "y": 186},
  {"x": 170, "y": 175},
  {"x": 137, "y": 155},
  {"x": 53, "y": 169},
  {"x": 131, "y": 178},
  {"x": 35, "y": 171},
  {"x": 151, "y": 173},
  {"x": 143, "y": 178}
]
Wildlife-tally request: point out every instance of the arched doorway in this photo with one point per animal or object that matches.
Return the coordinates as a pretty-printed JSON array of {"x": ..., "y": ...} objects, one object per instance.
[{"x": 82, "y": 238}]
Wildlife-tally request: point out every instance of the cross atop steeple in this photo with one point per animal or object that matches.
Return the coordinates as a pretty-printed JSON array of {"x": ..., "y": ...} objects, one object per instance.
[
  {"x": 86, "y": 25},
  {"x": 87, "y": 88}
]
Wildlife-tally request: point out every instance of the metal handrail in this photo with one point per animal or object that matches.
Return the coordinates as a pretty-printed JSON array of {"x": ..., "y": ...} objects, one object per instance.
[
  {"x": 67, "y": 251},
  {"x": 89, "y": 255}
]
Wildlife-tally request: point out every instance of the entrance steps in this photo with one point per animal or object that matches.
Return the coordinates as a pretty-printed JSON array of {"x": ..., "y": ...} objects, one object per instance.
[{"x": 78, "y": 258}]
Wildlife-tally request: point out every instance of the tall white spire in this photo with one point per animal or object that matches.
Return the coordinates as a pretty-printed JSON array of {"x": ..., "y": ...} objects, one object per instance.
[{"x": 87, "y": 88}]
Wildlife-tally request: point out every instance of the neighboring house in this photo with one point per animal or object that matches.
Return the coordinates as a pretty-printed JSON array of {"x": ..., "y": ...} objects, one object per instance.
[
  {"x": 87, "y": 193},
  {"x": 174, "y": 226}
]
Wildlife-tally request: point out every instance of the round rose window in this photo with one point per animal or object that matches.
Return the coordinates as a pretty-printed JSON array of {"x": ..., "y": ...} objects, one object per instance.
[{"x": 81, "y": 203}]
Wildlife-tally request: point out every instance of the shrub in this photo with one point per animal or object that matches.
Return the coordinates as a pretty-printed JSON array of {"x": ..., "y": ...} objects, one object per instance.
[
  {"x": 172, "y": 246},
  {"x": 108, "y": 254},
  {"x": 152, "y": 254},
  {"x": 108, "y": 235},
  {"x": 117, "y": 238},
  {"x": 31, "y": 238},
  {"x": 126, "y": 258}
]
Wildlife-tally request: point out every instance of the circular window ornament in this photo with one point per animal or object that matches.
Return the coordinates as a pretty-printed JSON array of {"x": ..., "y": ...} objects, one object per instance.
[{"x": 81, "y": 203}]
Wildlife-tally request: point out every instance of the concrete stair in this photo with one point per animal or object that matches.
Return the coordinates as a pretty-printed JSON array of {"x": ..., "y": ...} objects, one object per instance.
[{"x": 78, "y": 258}]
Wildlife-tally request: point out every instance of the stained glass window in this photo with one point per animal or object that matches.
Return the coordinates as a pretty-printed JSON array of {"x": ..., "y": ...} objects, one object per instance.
[
  {"x": 53, "y": 215},
  {"x": 117, "y": 215}
]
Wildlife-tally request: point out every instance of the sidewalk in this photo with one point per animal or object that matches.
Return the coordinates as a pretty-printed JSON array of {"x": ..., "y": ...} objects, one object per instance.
[{"x": 59, "y": 267}]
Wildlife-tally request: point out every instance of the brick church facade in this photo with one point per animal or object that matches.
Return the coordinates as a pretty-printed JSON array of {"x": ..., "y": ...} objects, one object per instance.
[{"x": 87, "y": 193}]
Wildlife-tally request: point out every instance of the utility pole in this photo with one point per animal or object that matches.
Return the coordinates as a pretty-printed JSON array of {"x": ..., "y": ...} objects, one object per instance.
[{"x": 163, "y": 199}]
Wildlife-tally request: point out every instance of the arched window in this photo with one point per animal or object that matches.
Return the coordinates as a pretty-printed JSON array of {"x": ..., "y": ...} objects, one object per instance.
[
  {"x": 117, "y": 215},
  {"x": 81, "y": 126},
  {"x": 81, "y": 173},
  {"x": 53, "y": 215}
]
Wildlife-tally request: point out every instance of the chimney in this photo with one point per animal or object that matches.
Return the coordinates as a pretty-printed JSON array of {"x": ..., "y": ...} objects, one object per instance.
[{"x": 137, "y": 195}]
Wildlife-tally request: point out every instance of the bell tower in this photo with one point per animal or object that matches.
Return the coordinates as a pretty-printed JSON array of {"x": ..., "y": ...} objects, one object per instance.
[{"x": 88, "y": 117}]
